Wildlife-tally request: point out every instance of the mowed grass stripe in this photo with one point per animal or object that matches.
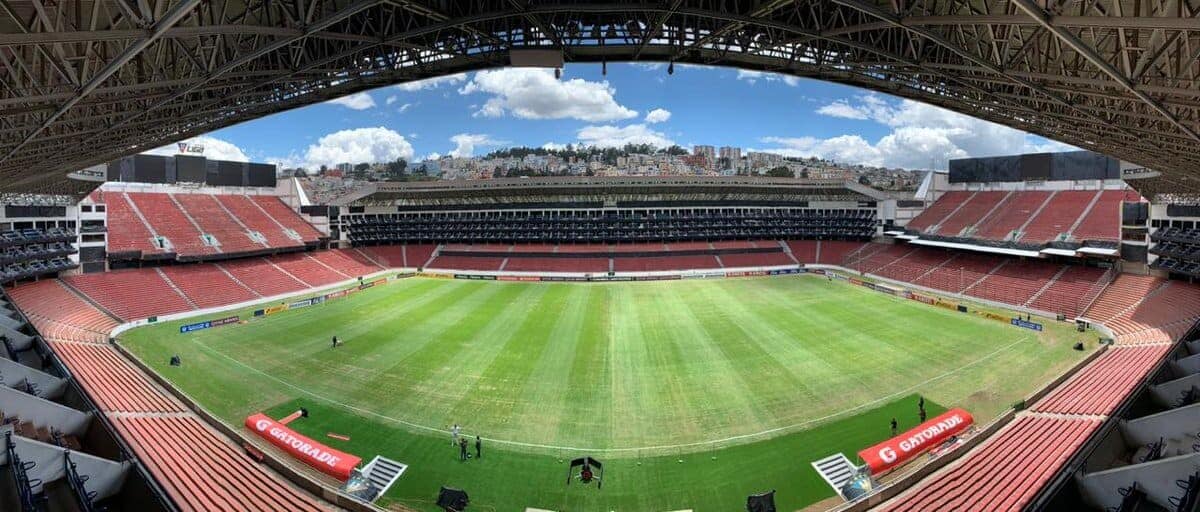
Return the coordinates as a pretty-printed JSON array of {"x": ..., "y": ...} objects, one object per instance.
[
  {"x": 590, "y": 373},
  {"x": 522, "y": 335},
  {"x": 435, "y": 374}
]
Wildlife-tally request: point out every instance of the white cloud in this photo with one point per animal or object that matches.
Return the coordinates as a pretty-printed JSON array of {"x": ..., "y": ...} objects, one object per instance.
[
  {"x": 535, "y": 94},
  {"x": 214, "y": 149},
  {"x": 370, "y": 145},
  {"x": 658, "y": 115},
  {"x": 465, "y": 143},
  {"x": 356, "y": 101},
  {"x": 754, "y": 76},
  {"x": 614, "y": 136},
  {"x": 392, "y": 99},
  {"x": 432, "y": 83},
  {"x": 921, "y": 135}
]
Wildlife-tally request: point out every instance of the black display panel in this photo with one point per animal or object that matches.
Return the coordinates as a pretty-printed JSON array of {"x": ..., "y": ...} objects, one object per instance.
[
  {"x": 226, "y": 174},
  {"x": 190, "y": 169},
  {"x": 1036, "y": 166},
  {"x": 150, "y": 169},
  {"x": 261, "y": 175}
]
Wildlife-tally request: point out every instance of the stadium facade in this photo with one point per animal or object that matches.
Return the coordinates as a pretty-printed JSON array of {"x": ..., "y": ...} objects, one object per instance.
[{"x": 1061, "y": 236}]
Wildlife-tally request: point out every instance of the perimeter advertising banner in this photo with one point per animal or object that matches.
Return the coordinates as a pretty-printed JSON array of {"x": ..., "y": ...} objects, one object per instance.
[
  {"x": 327, "y": 460},
  {"x": 904, "y": 447}
]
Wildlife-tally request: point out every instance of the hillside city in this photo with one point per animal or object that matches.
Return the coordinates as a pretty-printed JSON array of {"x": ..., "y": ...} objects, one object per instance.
[{"x": 632, "y": 160}]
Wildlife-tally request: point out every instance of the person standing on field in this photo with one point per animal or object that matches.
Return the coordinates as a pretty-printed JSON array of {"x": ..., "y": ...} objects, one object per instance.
[
  {"x": 454, "y": 434},
  {"x": 894, "y": 427},
  {"x": 478, "y": 448},
  {"x": 462, "y": 449}
]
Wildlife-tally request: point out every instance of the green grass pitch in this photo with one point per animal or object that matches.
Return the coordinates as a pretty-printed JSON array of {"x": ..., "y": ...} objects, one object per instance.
[{"x": 695, "y": 393}]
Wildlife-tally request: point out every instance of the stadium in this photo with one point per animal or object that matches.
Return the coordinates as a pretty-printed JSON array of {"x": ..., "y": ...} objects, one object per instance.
[{"x": 185, "y": 333}]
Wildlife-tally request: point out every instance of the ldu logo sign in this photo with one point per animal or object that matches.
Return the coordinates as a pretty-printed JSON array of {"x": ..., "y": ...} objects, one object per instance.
[{"x": 190, "y": 148}]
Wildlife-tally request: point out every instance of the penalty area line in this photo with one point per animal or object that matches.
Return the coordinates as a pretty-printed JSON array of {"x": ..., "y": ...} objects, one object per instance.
[{"x": 740, "y": 437}]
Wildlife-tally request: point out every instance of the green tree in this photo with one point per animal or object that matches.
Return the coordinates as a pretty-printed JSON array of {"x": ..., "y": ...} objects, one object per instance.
[{"x": 781, "y": 171}]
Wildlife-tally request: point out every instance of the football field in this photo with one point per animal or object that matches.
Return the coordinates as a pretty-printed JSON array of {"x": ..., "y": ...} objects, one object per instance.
[{"x": 697, "y": 392}]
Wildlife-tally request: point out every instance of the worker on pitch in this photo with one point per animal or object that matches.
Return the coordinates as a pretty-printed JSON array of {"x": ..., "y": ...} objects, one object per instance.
[
  {"x": 462, "y": 449},
  {"x": 336, "y": 342}
]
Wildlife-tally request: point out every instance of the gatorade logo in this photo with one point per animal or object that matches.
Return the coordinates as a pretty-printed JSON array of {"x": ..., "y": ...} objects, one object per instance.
[
  {"x": 887, "y": 454},
  {"x": 261, "y": 425}
]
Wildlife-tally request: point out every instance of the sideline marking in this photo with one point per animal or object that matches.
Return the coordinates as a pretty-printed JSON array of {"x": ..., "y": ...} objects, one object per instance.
[{"x": 794, "y": 426}]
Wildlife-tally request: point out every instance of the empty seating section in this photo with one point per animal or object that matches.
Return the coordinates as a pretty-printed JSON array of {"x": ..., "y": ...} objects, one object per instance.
[
  {"x": 1123, "y": 293},
  {"x": 307, "y": 269},
  {"x": 203, "y": 471},
  {"x": 729, "y": 244},
  {"x": 622, "y": 225},
  {"x": 417, "y": 255},
  {"x": 663, "y": 263},
  {"x": 1059, "y": 216},
  {"x": 1016, "y": 282},
  {"x": 213, "y": 220},
  {"x": 1174, "y": 306},
  {"x": 1099, "y": 388},
  {"x": 971, "y": 212},
  {"x": 939, "y": 210},
  {"x": 345, "y": 262},
  {"x": 536, "y": 264},
  {"x": 58, "y": 313},
  {"x": 258, "y": 220},
  {"x": 805, "y": 251},
  {"x": 1070, "y": 292},
  {"x": 1103, "y": 221},
  {"x": 126, "y": 231},
  {"x": 113, "y": 382},
  {"x": 467, "y": 263},
  {"x": 387, "y": 255},
  {"x": 183, "y": 219},
  {"x": 169, "y": 221},
  {"x": 705, "y": 246},
  {"x": 259, "y": 275},
  {"x": 1005, "y": 472},
  {"x": 761, "y": 259},
  {"x": 960, "y": 273},
  {"x": 655, "y": 247},
  {"x": 915, "y": 264},
  {"x": 835, "y": 252},
  {"x": 207, "y": 285},
  {"x": 288, "y": 217},
  {"x": 124, "y": 293},
  {"x": 1011, "y": 215},
  {"x": 871, "y": 262}
]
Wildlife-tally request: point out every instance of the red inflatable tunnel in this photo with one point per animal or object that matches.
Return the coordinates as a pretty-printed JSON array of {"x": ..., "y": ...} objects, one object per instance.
[
  {"x": 904, "y": 447},
  {"x": 327, "y": 460}
]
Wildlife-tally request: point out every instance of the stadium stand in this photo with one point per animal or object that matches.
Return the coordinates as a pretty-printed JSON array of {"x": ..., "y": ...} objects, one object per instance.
[
  {"x": 1071, "y": 290},
  {"x": 60, "y": 313},
  {"x": 1015, "y": 281},
  {"x": 214, "y": 220},
  {"x": 1099, "y": 387},
  {"x": 262, "y": 277},
  {"x": 1057, "y": 218},
  {"x": 286, "y": 217},
  {"x": 805, "y": 251},
  {"x": 467, "y": 263},
  {"x": 767, "y": 259},
  {"x": 200, "y": 226},
  {"x": 128, "y": 234},
  {"x": 123, "y": 293},
  {"x": 257, "y": 219},
  {"x": 537, "y": 264},
  {"x": 307, "y": 269},
  {"x": 192, "y": 286},
  {"x": 207, "y": 286},
  {"x": 1103, "y": 220},
  {"x": 661, "y": 263},
  {"x": 1011, "y": 215},
  {"x": 1005, "y": 471},
  {"x": 971, "y": 212},
  {"x": 168, "y": 220},
  {"x": 32, "y": 252},
  {"x": 835, "y": 252},
  {"x": 938, "y": 211}
]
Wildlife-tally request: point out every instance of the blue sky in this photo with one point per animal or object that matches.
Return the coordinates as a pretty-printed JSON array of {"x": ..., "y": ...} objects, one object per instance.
[{"x": 471, "y": 114}]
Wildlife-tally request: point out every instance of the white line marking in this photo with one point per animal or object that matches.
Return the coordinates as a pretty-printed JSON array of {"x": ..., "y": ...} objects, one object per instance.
[{"x": 794, "y": 426}]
